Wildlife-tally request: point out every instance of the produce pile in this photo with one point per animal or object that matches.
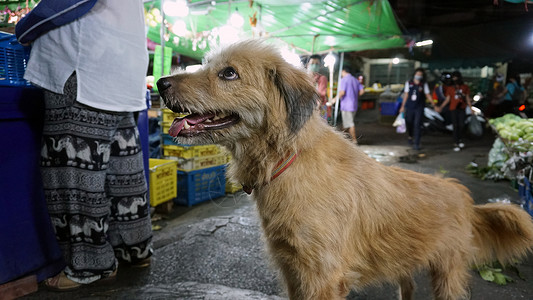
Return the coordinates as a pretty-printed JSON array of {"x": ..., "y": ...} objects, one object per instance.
[
  {"x": 514, "y": 129},
  {"x": 511, "y": 156}
]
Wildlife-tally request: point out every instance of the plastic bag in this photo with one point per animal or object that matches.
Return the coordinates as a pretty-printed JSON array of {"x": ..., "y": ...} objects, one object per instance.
[
  {"x": 399, "y": 123},
  {"x": 497, "y": 154},
  {"x": 474, "y": 126},
  {"x": 399, "y": 120},
  {"x": 401, "y": 128}
]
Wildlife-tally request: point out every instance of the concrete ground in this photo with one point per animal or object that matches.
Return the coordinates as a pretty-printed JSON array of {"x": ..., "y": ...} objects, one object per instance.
[{"x": 214, "y": 250}]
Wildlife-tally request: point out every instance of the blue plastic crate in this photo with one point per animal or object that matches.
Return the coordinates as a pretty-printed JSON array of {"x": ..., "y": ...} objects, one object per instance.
[
  {"x": 20, "y": 103},
  {"x": 167, "y": 139},
  {"x": 13, "y": 60},
  {"x": 26, "y": 233},
  {"x": 201, "y": 185},
  {"x": 524, "y": 190},
  {"x": 388, "y": 108}
]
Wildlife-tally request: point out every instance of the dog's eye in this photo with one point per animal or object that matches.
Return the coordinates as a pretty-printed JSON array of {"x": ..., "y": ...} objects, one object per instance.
[{"x": 228, "y": 73}]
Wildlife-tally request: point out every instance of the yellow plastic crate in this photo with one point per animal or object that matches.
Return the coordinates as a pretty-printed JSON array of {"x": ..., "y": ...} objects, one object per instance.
[
  {"x": 228, "y": 157},
  {"x": 169, "y": 116},
  {"x": 190, "y": 151},
  {"x": 166, "y": 127},
  {"x": 163, "y": 180},
  {"x": 197, "y": 163},
  {"x": 232, "y": 187}
]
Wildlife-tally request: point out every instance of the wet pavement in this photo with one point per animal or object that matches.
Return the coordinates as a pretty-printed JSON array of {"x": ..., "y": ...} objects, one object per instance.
[{"x": 215, "y": 251}]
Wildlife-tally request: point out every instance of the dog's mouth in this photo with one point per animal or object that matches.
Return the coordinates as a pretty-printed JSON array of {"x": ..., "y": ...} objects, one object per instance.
[{"x": 197, "y": 123}]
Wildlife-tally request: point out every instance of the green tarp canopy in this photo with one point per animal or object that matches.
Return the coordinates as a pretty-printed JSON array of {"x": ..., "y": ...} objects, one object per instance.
[
  {"x": 306, "y": 27},
  {"x": 303, "y": 26}
]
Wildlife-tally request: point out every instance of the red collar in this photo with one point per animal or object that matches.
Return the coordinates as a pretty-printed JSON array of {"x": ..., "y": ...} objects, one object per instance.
[{"x": 282, "y": 165}]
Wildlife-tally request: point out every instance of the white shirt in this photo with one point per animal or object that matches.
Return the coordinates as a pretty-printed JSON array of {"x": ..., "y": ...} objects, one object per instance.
[
  {"x": 426, "y": 88},
  {"x": 107, "y": 49}
]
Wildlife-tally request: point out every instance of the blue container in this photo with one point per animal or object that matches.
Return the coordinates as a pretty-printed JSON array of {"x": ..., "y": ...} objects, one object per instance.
[
  {"x": 13, "y": 60},
  {"x": 142, "y": 126},
  {"x": 201, "y": 185},
  {"x": 168, "y": 140},
  {"x": 388, "y": 108},
  {"x": 27, "y": 241},
  {"x": 524, "y": 190}
]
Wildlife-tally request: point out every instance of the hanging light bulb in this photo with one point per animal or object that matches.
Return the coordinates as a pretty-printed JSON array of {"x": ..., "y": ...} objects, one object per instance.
[
  {"x": 291, "y": 57},
  {"x": 329, "y": 60},
  {"x": 424, "y": 43},
  {"x": 179, "y": 28},
  {"x": 236, "y": 20},
  {"x": 228, "y": 35},
  {"x": 176, "y": 8}
]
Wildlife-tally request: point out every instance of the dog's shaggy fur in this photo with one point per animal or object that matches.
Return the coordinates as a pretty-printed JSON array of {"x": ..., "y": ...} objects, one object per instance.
[{"x": 336, "y": 219}]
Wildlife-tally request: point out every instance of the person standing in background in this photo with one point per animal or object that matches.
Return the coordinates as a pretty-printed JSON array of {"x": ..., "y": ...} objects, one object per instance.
[
  {"x": 349, "y": 91},
  {"x": 458, "y": 97},
  {"x": 93, "y": 71},
  {"x": 321, "y": 82},
  {"x": 495, "y": 95},
  {"x": 415, "y": 94},
  {"x": 439, "y": 96},
  {"x": 360, "y": 78},
  {"x": 512, "y": 94}
]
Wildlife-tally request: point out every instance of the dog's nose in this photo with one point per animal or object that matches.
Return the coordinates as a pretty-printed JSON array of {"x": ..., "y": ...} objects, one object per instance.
[{"x": 163, "y": 84}]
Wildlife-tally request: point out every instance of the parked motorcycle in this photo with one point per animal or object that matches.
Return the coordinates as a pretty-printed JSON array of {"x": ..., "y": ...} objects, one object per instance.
[{"x": 434, "y": 122}]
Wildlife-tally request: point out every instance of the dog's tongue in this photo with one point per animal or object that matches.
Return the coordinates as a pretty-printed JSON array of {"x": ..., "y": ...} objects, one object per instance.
[
  {"x": 179, "y": 123},
  {"x": 176, "y": 127}
]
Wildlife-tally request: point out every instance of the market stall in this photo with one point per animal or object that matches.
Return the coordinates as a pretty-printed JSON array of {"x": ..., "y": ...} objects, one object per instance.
[
  {"x": 511, "y": 156},
  {"x": 512, "y": 152},
  {"x": 194, "y": 27}
]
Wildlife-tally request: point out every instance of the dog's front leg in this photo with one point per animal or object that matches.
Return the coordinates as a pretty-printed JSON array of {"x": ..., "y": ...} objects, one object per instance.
[
  {"x": 407, "y": 287},
  {"x": 302, "y": 285}
]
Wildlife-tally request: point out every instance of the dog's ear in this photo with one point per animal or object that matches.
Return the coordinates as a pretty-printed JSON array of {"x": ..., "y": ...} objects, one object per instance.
[{"x": 299, "y": 94}]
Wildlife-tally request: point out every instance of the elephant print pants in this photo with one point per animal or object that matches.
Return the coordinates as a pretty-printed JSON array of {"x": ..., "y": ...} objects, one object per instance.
[{"x": 94, "y": 184}]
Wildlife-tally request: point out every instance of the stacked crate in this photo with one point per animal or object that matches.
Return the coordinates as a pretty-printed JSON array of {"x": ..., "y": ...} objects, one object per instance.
[
  {"x": 231, "y": 186},
  {"x": 388, "y": 108},
  {"x": 201, "y": 168},
  {"x": 163, "y": 181}
]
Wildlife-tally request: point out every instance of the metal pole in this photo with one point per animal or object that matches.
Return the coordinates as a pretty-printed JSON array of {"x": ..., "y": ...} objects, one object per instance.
[
  {"x": 331, "y": 71},
  {"x": 313, "y": 45},
  {"x": 389, "y": 69},
  {"x": 341, "y": 65},
  {"x": 162, "y": 42},
  {"x": 162, "y": 38}
]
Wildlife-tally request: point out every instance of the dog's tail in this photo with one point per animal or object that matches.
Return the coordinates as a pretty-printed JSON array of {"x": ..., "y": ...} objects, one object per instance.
[{"x": 501, "y": 231}]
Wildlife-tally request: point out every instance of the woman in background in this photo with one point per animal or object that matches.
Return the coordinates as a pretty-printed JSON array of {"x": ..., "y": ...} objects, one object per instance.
[
  {"x": 458, "y": 98},
  {"x": 415, "y": 94}
]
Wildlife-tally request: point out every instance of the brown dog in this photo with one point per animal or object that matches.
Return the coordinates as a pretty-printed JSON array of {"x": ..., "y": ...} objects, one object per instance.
[{"x": 333, "y": 218}]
